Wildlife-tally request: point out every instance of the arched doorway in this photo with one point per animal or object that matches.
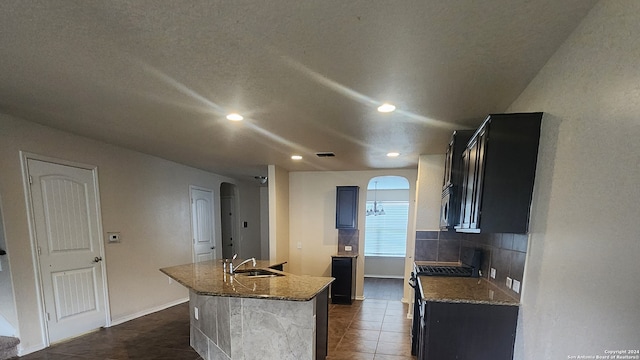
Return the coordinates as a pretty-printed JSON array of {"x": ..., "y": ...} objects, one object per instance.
[
  {"x": 228, "y": 223},
  {"x": 385, "y": 238}
]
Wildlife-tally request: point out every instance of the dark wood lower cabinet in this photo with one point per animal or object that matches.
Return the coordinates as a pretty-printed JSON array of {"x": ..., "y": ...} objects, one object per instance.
[
  {"x": 466, "y": 331},
  {"x": 322, "y": 324},
  {"x": 343, "y": 289}
]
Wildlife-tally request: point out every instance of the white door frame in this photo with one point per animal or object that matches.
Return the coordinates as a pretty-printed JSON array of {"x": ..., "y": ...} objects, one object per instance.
[
  {"x": 213, "y": 221},
  {"x": 24, "y": 157}
]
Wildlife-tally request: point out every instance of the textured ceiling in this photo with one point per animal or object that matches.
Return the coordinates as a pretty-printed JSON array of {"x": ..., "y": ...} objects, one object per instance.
[{"x": 159, "y": 76}]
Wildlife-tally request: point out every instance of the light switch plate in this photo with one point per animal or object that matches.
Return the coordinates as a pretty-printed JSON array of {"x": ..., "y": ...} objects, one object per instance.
[
  {"x": 516, "y": 286},
  {"x": 113, "y": 237},
  {"x": 493, "y": 273},
  {"x": 196, "y": 313},
  {"x": 348, "y": 248},
  {"x": 509, "y": 282}
]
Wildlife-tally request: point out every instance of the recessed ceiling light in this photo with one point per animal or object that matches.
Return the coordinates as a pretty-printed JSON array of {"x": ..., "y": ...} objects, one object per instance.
[
  {"x": 386, "y": 107},
  {"x": 235, "y": 117},
  {"x": 393, "y": 154},
  {"x": 296, "y": 157}
]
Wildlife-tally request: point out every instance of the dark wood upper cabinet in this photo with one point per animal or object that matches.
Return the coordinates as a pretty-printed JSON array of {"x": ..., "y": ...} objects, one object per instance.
[
  {"x": 347, "y": 207},
  {"x": 499, "y": 165},
  {"x": 452, "y": 181}
]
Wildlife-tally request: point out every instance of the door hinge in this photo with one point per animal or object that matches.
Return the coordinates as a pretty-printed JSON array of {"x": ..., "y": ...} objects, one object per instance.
[
  {"x": 192, "y": 200},
  {"x": 48, "y": 317},
  {"x": 30, "y": 180},
  {"x": 39, "y": 250}
]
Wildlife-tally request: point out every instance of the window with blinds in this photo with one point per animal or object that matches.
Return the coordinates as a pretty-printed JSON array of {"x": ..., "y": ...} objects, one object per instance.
[{"x": 386, "y": 235}]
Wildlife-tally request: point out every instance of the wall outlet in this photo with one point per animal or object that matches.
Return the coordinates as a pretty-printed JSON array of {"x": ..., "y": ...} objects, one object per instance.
[
  {"x": 113, "y": 237},
  {"x": 516, "y": 286},
  {"x": 509, "y": 282},
  {"x": 493, "y": 273},
  {"x": 196, "y": 313},
  {"x": 299, "y": 245},
  {"x": 348, "y": 248}
]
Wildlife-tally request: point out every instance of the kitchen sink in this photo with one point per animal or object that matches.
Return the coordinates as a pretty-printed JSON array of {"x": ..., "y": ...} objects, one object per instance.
[{"x": 257, "y": 273}]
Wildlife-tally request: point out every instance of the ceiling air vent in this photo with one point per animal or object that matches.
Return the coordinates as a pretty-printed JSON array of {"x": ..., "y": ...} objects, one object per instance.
[{"x": 325, "y": 154}]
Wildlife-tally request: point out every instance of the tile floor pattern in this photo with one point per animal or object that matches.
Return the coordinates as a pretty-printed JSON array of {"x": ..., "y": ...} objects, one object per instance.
[
  {"x": 163, "y": 335},
  {"x": 383, "y": 289},
  {"x": 373, "y": 329}
]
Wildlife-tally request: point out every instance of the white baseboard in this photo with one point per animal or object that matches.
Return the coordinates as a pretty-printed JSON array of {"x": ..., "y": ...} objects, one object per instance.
[
  {"x": 124, "y": 319},
  {"x": 360, "y": 298},
  {"x": 384, "y": 276},
  {"x": 22, "y": 351}
]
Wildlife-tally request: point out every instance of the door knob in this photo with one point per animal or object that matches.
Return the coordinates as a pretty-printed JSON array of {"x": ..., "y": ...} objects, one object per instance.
[
  {"x": 2, "y": 252},
  {"x": 97, "y": 259}
]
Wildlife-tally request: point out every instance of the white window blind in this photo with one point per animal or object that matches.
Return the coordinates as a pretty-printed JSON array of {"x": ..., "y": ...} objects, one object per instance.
[{"x": 386, "y": 235}]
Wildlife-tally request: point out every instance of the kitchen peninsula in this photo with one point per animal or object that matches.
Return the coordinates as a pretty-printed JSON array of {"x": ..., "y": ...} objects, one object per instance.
[{"x": 257, "y": 313}]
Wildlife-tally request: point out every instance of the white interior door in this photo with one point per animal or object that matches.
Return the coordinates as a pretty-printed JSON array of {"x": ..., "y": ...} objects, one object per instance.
[
  {"x": 67, "y": 230},
  {"x": 202, "y": 224}
]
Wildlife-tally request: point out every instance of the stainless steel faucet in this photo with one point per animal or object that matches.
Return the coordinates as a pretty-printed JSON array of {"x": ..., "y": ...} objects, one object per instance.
[{"x": 232, "y": 269}]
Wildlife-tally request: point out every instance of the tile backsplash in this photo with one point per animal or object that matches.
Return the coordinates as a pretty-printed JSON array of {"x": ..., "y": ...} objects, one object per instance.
[
  {"x": 504, "y": 252},
  {"x": 348, "y": 237}
]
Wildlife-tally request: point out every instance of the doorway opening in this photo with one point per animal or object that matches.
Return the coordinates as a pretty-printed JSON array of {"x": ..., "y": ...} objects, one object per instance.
[
  {"x": 385, "y": 238},
  {"x": 228, "y": 224},
  {"x": 8, "y": 315}
]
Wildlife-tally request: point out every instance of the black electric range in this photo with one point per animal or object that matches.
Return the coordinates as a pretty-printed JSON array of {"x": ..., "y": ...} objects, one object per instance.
[
  {"x": 470, "y": 266},
  {"x": 432, "y": 270},
  {"x": 470, "y": 260}
]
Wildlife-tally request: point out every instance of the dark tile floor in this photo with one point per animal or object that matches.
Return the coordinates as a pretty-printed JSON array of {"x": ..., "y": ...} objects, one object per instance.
[
  {"x": 383, "y": 289},
  {"x": 373, "y": 329},
  {"x": 158, "y": 336},
  {"x": 369, "y": 330}
]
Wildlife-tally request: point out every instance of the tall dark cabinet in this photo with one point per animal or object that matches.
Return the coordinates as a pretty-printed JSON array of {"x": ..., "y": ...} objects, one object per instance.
[
  {"x": 452, "y": 181},
  {"x": 499, "y": 166},
  {"x": 343, "y": 289},
  {"x": 347, "y": 207}
]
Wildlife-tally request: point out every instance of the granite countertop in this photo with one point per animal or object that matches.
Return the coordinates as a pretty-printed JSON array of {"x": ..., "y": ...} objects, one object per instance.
[
  {"x": 209, "y": 278},
  {"x": 345, "y": 255},
  {"x": 463, "y": 290}
]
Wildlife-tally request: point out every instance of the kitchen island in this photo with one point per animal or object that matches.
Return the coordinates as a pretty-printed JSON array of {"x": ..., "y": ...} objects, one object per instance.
[{"x": 257, "y": 313}]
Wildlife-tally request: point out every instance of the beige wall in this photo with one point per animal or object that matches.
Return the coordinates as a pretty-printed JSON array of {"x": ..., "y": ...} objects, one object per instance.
[
  {"x": 313, "y": 214},
  {"x": 429, "y": 192},
  {"x": 278, "y": 214},
  {"x": 143, "y": 197},
  {"x": 581, "y": 290}
]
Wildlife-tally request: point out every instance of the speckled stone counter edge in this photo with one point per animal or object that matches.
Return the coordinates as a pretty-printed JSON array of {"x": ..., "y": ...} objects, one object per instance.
[
  {"x": 209, "y": 278},
  {"x": 463, "y": 290}
]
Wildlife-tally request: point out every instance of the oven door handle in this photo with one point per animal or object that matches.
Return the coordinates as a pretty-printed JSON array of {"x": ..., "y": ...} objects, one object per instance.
[{"x": 413, "y": 281}]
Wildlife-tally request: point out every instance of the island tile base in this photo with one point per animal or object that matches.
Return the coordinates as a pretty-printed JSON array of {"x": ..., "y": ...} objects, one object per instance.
[{"x": 234, "y": 328}]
